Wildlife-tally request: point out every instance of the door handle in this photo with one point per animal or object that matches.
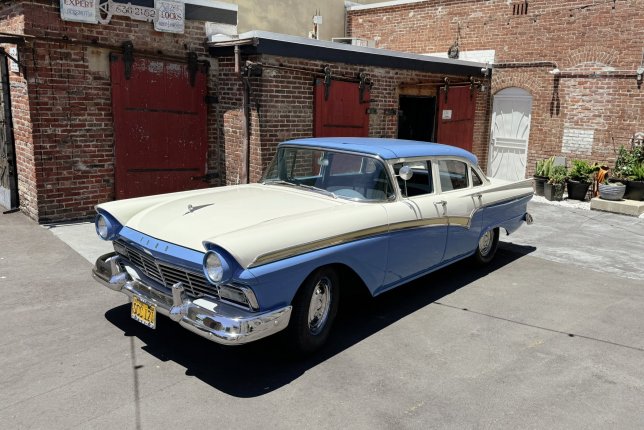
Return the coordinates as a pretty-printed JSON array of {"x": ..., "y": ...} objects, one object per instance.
[{"x": 443, "y": 203}]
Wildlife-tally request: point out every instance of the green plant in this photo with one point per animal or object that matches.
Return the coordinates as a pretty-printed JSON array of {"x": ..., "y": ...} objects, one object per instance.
[
  {"x": 544, "y": 167},
  {"x": 637, "y": 172},
  {"x": 582, "y": 171},
  {"x": 627, "y": 160},
  {"x": 558, "y": 175}
]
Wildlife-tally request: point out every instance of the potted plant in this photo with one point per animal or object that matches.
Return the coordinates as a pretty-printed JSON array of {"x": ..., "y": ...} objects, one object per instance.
[
  {"x": 554, "y": 188},
  {"x": 541, "y": 173},
  {"x": 635, "y": 185},
  {"x": 627, "y": 171},
  {"x": 580, "y": 176},
  {"x": 611, "y": 190}
]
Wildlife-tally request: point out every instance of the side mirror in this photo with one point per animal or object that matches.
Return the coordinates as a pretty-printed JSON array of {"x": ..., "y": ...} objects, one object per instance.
[{"x": 405, "y": 173}]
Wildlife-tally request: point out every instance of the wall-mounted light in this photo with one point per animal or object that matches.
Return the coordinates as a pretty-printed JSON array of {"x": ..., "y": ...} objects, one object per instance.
[{"x": 640, "y": 74}]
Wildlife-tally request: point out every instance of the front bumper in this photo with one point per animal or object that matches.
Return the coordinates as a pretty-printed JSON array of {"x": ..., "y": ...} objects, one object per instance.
[{"x": 205, "y": 316}]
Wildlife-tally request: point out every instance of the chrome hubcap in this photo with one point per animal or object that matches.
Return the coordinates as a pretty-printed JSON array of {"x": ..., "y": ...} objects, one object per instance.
[
  {"x": 485, "y": 243},
  {"x": 320, "y": 305}
]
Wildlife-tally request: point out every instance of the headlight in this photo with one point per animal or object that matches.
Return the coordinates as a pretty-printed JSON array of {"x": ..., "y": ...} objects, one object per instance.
[
  {"x": 105, "y": 228},
  {"x": 216, "y": 268}
]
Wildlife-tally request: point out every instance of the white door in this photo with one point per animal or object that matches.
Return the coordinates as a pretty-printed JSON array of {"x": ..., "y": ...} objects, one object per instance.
[{"x": 509, "y": 135}]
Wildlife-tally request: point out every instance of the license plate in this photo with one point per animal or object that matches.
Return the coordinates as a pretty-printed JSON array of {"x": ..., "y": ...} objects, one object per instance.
[{"x": 145, "y": 313}]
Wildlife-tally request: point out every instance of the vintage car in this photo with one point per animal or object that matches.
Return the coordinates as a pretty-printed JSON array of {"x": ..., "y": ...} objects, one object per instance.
[{"x": 238, "y": 263}]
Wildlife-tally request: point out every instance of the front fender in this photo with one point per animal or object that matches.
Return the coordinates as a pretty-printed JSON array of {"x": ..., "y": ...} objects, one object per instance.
[{"x": 278, "y": 282}]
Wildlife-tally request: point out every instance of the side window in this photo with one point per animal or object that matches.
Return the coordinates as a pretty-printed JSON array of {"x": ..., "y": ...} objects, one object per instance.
[
  {"x": 476, "y": 179},
  {"x": 453, "y": 174},
  {"x": 420, "y": 182}
]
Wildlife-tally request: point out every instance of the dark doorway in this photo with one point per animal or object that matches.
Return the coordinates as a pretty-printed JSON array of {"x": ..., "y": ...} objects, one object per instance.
[
  {"x": 416, "y": 118},
  {"x": 8, "y": 172}
]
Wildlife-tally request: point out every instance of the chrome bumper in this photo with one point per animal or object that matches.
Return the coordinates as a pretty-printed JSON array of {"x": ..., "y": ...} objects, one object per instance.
[{"x": 206, "y": 316}]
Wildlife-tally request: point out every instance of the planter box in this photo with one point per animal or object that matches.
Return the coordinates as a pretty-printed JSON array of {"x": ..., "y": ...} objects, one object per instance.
[
  {"x": 634, "y": 190},
  {"x": 539, "y": 182},
  {"x": 553, "y": 192},
  {"x": 578, "y": 190}
]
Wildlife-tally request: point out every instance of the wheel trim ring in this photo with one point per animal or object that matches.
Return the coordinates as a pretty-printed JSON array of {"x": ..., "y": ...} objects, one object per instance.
[
  {"x": 485, "y": 243},
  {"x": 320, "y": 305}
]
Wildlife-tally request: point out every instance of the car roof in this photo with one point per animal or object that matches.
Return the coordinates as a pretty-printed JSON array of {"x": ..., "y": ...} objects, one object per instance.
[{"x": 385, "y": 148}]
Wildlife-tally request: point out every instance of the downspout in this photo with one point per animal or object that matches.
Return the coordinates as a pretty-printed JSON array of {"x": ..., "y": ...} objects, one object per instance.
[{"x": 245, "y": 132}]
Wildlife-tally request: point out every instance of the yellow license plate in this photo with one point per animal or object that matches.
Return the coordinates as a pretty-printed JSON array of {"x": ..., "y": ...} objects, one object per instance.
[{"x": 145, "y": 313}]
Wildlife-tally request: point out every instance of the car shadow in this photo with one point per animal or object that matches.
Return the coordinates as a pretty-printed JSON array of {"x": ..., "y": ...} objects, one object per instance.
[{"x": 260, "y": 367}]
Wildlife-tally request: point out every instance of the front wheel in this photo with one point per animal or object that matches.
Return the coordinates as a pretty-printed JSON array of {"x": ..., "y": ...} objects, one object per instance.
[
  {"x": 314, "y": 309},
  {"x": 488, "y": 243}
]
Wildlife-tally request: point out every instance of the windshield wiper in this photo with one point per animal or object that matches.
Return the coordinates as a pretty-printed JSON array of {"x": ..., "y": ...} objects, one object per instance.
[
  {"x": 295, "y": 184},
  {"x": 278, "y": 182},
  {"x": 318, "y": 190}
]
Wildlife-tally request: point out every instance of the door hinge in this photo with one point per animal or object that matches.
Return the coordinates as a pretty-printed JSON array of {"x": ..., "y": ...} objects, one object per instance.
[
  {"x": 193, "y": 67},
  {"x": 327, "y": 81},
  {"x": 128, "y": 58},
  {"x": 364, "y": 84}
]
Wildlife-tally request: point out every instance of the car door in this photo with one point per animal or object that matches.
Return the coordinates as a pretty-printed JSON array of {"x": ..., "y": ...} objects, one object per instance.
[
  {"x": 459, "y": 201},
  {"x": 418, "y": 229}
]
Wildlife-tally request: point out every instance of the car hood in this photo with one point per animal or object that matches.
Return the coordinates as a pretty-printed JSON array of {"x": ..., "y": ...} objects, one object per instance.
[{"x": 245, "y": 220}]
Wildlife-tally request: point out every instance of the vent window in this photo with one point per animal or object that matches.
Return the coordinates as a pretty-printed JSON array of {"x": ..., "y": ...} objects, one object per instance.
[{"x": 520, "y": 8}]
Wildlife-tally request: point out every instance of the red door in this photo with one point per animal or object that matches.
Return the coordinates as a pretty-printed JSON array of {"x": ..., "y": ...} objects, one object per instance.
[
  {"x": 456, "y": 117},
  {"x": 340, "y": 113},
  {"x": 159, "y": 127}
]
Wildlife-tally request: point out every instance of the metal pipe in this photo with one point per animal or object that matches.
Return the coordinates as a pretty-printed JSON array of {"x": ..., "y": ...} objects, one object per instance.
[
  {"x": 245, "y": 132},
  {"x": 521, "y": 64}
]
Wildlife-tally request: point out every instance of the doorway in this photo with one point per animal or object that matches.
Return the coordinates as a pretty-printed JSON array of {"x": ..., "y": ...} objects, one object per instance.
[
  {"x": 8, "y": 172},
  {"x": 511, "y": 113},
  {"x": 416, "y": 117}
]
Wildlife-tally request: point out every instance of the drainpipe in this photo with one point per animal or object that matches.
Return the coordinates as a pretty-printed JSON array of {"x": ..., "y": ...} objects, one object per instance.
[{"x": 245, "y": 132}]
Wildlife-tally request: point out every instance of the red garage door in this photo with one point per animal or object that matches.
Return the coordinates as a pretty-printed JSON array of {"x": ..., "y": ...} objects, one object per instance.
[
  {"x": 339, "y": 112},
  {"x": 456, "y": 117},
  {"x": 159, "y": 127}
]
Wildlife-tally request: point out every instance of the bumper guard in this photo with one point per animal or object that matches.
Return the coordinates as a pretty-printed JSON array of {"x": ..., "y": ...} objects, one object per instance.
[{"x": 205, "y": 316}]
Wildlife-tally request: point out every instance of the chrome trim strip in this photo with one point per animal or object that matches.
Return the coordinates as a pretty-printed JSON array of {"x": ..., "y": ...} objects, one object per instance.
[
  {"x": 206, "y": 316},
  {"x": 292, "y": 251},
  {"x": 461, "y": 221}
]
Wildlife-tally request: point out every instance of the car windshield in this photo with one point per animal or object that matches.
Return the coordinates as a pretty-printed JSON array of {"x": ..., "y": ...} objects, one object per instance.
[{"x": 340, "y": 174}]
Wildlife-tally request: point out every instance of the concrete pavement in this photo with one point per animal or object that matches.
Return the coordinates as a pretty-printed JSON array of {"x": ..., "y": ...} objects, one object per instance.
[{"x": 533, "y": 341}]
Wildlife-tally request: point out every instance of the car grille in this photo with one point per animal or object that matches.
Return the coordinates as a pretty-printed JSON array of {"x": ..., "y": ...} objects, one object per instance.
[{"x": 166, "y": 274}]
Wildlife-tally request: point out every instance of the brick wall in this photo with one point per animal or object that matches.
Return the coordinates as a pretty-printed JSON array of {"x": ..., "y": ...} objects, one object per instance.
[
  {"x": 282, "y": 106},
  {"x": 63, "y": 115},
  {"x": 577, "y": 115}
]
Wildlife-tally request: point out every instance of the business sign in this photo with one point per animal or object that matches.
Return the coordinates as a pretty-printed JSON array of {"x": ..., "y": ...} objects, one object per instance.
[
  {"x": 170, "y": 16},
  {"x": 79, "y": 11}
]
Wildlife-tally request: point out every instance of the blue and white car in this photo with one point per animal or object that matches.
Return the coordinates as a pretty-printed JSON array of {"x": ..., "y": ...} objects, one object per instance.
[{"x": 238, "y": 263}]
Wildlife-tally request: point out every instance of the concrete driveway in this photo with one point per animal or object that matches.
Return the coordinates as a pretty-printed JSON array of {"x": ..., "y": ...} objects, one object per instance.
[{"x": 550, "y": 336}]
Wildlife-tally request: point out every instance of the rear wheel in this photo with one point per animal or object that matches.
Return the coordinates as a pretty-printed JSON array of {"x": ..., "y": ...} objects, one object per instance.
[
  {"x": 314, "y": 309},
  {"x": 486, "y": 249}
]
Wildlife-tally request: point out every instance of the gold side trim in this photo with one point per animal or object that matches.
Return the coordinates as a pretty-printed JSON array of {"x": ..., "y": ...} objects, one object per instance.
[{"x": 292, "y": 251}]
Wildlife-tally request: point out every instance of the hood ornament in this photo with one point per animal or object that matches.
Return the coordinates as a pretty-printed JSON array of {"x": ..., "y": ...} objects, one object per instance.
[{"x": 192, "y": 208}]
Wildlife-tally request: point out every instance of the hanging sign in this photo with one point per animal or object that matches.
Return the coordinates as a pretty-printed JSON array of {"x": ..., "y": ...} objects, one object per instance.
[
  {"x": 79, "y": 11},
  {"x": 13, "y": 66},
  {"x": 170, "y": 16}
]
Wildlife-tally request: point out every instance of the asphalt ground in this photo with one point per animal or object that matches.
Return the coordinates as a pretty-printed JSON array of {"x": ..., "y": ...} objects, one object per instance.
[{"x": 551, "y": 335}]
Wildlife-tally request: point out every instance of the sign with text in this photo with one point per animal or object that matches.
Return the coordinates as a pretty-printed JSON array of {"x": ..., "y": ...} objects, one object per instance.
[
  {"x": 139, "y": 13},
  {"x": 170, "y": 16},
  {"x": 79, "y": 11}
]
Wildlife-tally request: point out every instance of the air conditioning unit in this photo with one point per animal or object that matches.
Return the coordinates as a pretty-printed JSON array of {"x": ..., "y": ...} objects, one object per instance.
[{"x": 355, "y": 41}]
